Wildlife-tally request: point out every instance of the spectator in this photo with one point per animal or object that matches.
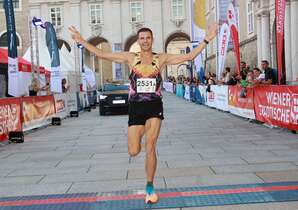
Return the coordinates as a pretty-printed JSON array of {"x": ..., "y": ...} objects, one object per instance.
[
  {"x": 46, "y": 90},
  {"x": 222, "y": 78},
  {"x": 243, "y": 70},
  {"x": 270, "y": 78},
  {"x": 65, "y": 87},
  {"x": 259, "y": 77},
  {"x": 228, "y": 75},
  {"x": 233, "y": 80},
  {"x": 34, "y": 87}
]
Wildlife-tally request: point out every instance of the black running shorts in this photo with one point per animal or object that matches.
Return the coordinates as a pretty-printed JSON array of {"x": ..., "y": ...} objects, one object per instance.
[{"x": 139, "y": 112}]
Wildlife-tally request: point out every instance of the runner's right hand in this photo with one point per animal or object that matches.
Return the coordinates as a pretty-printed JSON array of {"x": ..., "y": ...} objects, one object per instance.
[{"x": 76, "y": 36}]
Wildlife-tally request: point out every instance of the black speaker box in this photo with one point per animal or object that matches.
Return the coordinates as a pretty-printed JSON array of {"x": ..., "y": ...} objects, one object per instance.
[
  {"x": 87, "y": 108},
  {"x": 56, "y": 121},
  {"x": 16, "y": 137},
  {"x": 74, "y": 114}
]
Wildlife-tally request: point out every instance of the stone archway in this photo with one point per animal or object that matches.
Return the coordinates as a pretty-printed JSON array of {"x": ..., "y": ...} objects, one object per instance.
[
  {"x": 176, "y": 43},
  {"x": 176, "y": 36},
  {"x": 130, "y": 42},
  {"x": 102, "y": 68}
]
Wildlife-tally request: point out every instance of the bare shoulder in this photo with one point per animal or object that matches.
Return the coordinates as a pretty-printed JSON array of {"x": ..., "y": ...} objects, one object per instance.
[{"x": 162, "y": 57}]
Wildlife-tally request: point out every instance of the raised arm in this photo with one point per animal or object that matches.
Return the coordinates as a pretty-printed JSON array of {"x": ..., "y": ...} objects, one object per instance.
[
  {"x": 119, "y": 57},
  {"x": 171, "y": 59}
]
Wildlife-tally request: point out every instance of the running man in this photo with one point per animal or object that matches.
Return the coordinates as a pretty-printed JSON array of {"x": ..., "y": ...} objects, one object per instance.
[{"x": 145, "y": 100}]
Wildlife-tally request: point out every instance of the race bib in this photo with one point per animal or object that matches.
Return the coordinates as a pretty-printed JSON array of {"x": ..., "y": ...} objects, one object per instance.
[{"x": 146, "y": 85}]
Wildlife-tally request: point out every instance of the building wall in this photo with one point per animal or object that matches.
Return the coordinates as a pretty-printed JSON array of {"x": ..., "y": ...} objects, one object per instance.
[
  {"x": 117, "y": 27},
  {"x": 21, "y": 20}
]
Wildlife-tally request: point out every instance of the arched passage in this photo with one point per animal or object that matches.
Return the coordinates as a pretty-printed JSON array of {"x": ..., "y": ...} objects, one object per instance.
[
  {"x": 176, "y": 43},
  {"x": 103, "y": 68}
]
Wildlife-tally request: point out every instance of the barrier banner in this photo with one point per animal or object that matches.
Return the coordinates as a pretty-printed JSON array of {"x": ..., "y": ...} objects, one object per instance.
[
  {"x": 10, "y": 117},
  {"x": 168, "y": 86},
  {"x": 211, "y": 98},
  {"x": 277, "y": 105},
  {"x": 61, "y": 105},
  {"x": 241, "y": 106},
  {"x": 221, "y": 97},
  {"x": 187, "y": 92},
  {"x": 180, "y": 90},
  {"x": 202, "y": 95},
  {"x": 37, "y": 111}
]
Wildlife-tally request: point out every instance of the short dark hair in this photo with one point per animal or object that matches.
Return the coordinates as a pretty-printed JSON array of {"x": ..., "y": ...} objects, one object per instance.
[
  {"x": 243, "y": 62},
  {"x": 145, "y": 30},
  {"x": 228, "y": 69},
  {"x": 257, "y": 69},
  {"x": 265, "y": 61}
]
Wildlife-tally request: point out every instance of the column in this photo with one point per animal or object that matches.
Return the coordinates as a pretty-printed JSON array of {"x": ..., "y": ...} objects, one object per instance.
[
  {"x": 259, "y": 39},
  {"x": 265, "y": 24},
  {"x": 288, "y": 53},
  {"x": 294, "y": 42}
]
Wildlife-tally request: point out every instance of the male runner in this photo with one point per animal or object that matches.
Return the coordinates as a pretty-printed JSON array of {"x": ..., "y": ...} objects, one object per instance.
[{"x": 145, "y": 104}]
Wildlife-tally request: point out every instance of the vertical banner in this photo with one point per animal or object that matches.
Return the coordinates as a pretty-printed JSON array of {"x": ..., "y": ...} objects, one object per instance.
[
  {"x": 221, "y": 17},
  {"x": 224, "y": 38},
  {"x": 231, "y": 15},
  {"x": 198, "y": 27},
  {"x": 51, "y": 41},
  {"x": 280, "y": 22},
  {"x": 13, "y": 71}
]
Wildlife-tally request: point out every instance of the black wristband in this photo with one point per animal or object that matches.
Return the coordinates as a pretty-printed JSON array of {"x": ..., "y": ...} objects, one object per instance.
[{"x": 206, "y": 42}]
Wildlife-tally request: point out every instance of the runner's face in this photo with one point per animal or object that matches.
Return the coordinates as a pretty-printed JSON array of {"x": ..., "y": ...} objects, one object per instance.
[{"x": 145, "y": 40}]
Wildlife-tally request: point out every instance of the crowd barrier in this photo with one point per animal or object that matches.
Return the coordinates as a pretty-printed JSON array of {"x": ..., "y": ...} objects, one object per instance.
[
  {"x": 26, "y": 113},
  {"x": 270, "y": 104}
]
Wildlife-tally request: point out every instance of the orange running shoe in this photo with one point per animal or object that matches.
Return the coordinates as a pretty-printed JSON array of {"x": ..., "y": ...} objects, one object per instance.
[{"x": 151, "y": 198}]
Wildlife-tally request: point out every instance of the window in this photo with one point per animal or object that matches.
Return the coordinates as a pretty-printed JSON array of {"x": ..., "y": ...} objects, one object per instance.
[
  {"x": 182, "y": 51},
  {"x": 56, "y": 16},
  {"x": 3, "y": 40},
  {"x": 178, "y": 9},
  {"x": 16, "y": 4},
  {"x": 96, "y": 14},
  {"x": 136, "y": 11},
  {"x": 250, "y": 18}
]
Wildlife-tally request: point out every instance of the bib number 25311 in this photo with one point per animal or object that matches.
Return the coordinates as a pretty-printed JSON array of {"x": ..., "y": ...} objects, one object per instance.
[{"x": 146, "y": 85}]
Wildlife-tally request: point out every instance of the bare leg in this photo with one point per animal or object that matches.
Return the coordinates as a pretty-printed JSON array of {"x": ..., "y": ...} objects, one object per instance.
[
  {"x": 135, "y": 134},
  {"x": 152, "y": 129}
]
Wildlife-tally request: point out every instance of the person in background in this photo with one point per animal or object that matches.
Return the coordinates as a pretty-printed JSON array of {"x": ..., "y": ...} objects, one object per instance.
[
  {"x": 65, "y": 87},
  {"x": 34, "y": 88},
  {"x": 270, "y": 78}
]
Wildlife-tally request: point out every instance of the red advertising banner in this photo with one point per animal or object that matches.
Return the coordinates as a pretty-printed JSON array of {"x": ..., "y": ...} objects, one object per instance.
[
  {"x": 239, "y": 104},
  {"x": 37, "y": 110},
  {"x": 277, "y": 105},
  {"x": 10, "y": 117},
  {"x": 280, "y": 22}
]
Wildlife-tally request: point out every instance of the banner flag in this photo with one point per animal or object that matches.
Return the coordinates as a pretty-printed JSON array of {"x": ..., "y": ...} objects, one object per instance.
[
  {"x": 52, "y": 45},
  {"x": 224, "y": 38}
]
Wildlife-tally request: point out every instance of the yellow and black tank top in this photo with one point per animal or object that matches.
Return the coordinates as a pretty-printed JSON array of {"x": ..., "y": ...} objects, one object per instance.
[{"x": 145, "y": 80}]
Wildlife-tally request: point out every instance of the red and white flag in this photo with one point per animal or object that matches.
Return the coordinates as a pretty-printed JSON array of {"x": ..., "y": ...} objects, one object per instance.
[
  {"x": 235, "y": 35},
  {"x": 224, "y": 38}
]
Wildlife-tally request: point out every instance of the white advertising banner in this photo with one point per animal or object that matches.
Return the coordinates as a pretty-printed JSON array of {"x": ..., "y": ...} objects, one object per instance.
[
  {"x": 221, "y": 97},
  {"x": 13, "y": 77},
  {"x": 56, "y": 86},
  {"x": 187, "y": 92},
  {"x": 168, "y": 86}
]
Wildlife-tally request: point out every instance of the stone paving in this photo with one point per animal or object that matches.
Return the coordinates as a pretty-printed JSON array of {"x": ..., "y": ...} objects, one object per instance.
[{"x": 198, "y": 146}]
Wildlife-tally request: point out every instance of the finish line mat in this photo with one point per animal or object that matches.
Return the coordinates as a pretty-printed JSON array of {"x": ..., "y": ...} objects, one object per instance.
[{"x": 169, "y": 198}]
